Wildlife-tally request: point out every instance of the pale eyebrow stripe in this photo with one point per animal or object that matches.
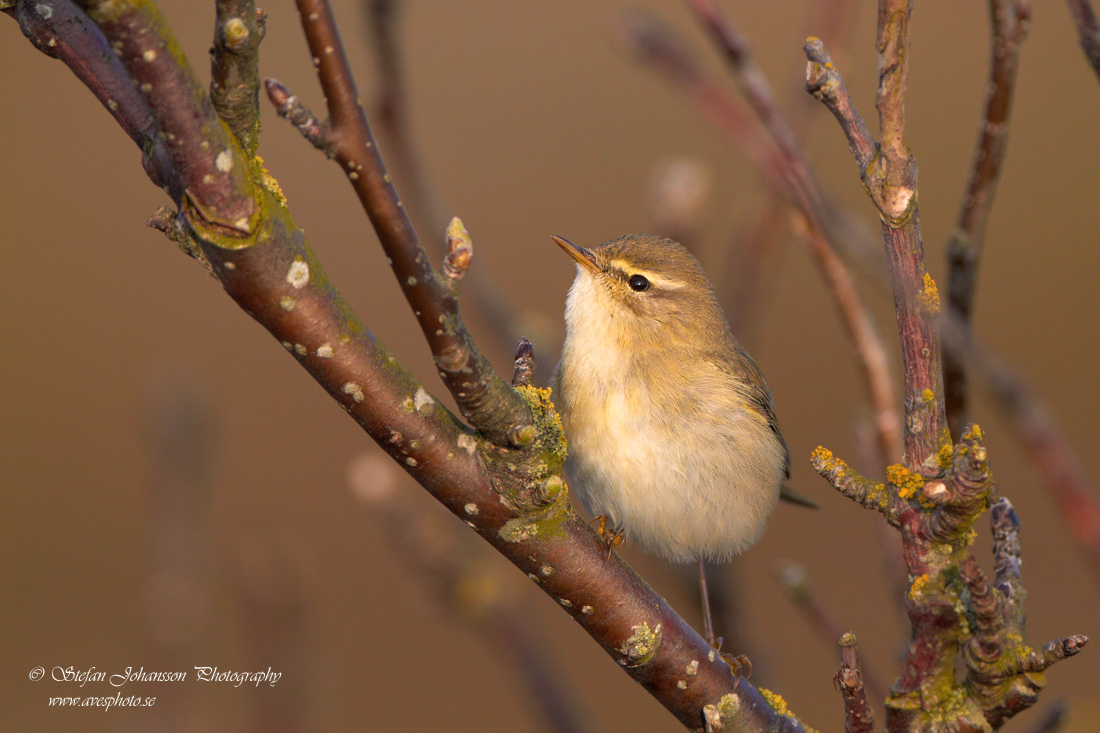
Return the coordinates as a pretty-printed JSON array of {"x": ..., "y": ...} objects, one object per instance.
[{"x": 656, "y": 280}]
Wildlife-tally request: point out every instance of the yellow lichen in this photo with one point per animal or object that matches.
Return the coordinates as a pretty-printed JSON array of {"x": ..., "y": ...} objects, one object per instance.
[
  {"x": 973, "y": 433},
  {"x": 779, "y": 705},
  {"x": 918, "y": 586},
  {"x": 774, "y": 700},
  {"x": 824, "y": 456},
  {"x": 269, "y": 182},
  {"x": 929, "y": 296},
  {"x": 908, "y": 483},
  {"x": 928, "y": 395},
  {"x": 945, "y": 455}
]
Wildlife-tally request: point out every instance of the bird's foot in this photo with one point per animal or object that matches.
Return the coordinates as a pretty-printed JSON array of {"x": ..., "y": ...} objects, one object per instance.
[
  {"x": 612, "y": 538},
  {"x": 741, "y": 666}
]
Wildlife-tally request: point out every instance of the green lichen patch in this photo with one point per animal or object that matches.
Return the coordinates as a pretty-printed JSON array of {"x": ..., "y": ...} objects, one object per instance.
[
  {"x": 641, "y": 646},
  {"x": 544, "y": 523}
]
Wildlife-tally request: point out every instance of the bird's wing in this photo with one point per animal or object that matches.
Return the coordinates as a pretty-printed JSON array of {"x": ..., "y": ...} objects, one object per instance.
[{"x": 759, "y": 399}]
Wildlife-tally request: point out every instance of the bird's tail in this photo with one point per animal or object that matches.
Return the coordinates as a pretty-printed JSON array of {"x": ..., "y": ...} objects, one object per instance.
[{"x": 786, "y": 493}]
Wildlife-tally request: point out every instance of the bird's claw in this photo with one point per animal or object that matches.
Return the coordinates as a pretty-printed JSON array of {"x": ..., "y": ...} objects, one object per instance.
[
  {"x": 613, "y": 539},
  {"x": 741, "y": 666}
]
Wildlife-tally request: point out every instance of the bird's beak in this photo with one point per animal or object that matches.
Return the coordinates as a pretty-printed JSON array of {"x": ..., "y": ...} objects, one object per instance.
[{"x": 583, "y": 257}]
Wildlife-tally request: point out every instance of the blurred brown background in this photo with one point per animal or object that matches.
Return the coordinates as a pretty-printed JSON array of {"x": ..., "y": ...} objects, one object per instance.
[{"x": 129, "y": 377}]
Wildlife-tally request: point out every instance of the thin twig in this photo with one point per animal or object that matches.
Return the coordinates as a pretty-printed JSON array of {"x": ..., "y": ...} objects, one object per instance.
[
  {"x": 1009, "y": 19},
  {"x": 783, "y": 171},
  {"x": 818, "y": 215},
  {"x": 468, "y": 375},
  {"x": 754, "y": 256},
  {"x": 392, "y": 117},
  {"x": 821, "y": 619},
  {"x": 1088, "y": 30},
  {"x": 858, "y": 715}
]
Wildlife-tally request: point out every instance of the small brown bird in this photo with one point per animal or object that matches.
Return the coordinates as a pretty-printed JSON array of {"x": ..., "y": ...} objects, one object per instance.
[{"x": 672, "y": 436}]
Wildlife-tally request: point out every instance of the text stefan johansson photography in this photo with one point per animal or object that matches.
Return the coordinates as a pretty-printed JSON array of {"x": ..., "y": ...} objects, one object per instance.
[{"x": 202, "y": 674}]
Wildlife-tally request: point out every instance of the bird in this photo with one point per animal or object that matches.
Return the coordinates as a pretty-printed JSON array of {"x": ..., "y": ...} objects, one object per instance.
[{"x": 672, "y": 437}]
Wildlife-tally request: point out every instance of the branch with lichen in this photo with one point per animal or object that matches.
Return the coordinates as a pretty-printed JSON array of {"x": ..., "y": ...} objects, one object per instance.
[
  {"x": 952, "y": 609},
  {"x": 513, "y": 496},
  {"x": 889, "y": 175},
  {"x": 1009, "y": 19}
]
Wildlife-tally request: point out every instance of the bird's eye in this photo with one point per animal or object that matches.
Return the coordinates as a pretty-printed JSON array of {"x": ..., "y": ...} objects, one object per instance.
[{"x": 638, "y": 283}]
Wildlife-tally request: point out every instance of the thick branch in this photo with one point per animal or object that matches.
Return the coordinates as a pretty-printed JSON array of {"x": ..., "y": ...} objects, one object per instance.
[
  {"x": 1009, "y": 19},
  {"x": 61, "y": 30},
  {"x": 485, "y": 400},
  {"x": 1088, "y": 31},
  {"x": 205, "y": 153}
]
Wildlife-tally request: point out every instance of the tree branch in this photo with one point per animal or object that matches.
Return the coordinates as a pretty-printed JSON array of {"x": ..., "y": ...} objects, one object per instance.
[
  {"x": 234, "y": 68},
  {"x": 392, "y": 118},
  {"x": 858, "y": 715},
  {"x": 1009, "y": 19},
  {"x": 490, "y": 405},
  {"x": 820, "y": 217},
  {"x": 889, "y": 174},
  {"x": 60, "y": 30},
  {"x": 1088, "y": 31},
  {"x": 935, "y": 517}
]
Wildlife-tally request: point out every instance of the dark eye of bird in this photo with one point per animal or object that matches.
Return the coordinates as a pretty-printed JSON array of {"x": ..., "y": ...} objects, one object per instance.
[{"x": 638, "y": 283}]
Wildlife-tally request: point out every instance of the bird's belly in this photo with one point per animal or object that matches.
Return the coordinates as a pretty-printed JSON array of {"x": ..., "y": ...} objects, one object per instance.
[{"x": 680, "y": 491}]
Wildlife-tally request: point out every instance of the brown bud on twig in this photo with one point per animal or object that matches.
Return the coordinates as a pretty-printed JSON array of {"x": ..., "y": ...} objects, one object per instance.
[
  {"x": 460, "y": 250},
  {"x": 290, "y": 108}
]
